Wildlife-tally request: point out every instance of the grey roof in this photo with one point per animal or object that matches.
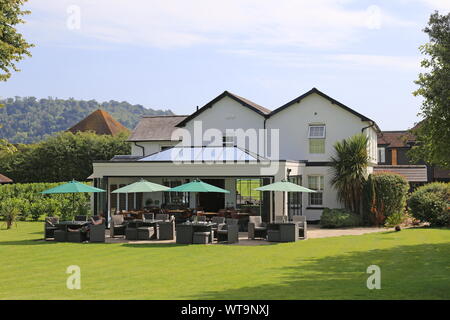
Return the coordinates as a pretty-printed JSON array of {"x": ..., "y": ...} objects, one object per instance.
[
  {"x": 158, "y": 128},
  {"x": 202, "y": 154}
]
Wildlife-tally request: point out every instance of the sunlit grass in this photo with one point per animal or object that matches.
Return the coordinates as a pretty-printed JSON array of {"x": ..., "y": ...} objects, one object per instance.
[{"x": 415, "y": 264}]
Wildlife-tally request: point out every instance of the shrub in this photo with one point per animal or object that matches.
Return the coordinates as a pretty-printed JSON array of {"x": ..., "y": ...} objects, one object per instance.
[
  {"x": 430, "y": 203},
  {"x": 385, "y": 195},
  {"x": 338, "y": 218},
  {"x": 10, "y": 210},
  {"x": 395, "y": 220}
]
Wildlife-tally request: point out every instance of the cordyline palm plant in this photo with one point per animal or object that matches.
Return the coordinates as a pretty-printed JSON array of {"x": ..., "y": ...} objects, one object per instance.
[{"x": 349, "y": 170}]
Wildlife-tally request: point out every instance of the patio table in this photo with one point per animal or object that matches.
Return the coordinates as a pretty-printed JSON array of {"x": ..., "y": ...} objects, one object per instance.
[
  {"x": 147, "y": 223},
  {"x": 65, "y": 225},
  {"x": 288, "y": 230},
  {"x": 191, "y": 227}
]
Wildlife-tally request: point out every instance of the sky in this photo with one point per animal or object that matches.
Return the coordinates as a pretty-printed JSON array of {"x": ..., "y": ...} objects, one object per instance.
[{"x": 179, "y": 54}]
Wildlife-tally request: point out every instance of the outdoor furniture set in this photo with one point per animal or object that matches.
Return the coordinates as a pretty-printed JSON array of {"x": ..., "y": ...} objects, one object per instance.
[
  {"x": 159, "y": 227},
  {"x": 278, "y": 231},
  {"x": 73, "y": 231},
  {"x": 204, "y": 232}
]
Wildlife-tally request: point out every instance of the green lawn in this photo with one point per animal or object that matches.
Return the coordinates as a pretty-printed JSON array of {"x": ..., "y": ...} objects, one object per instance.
[{"x": 415, "y": 264}]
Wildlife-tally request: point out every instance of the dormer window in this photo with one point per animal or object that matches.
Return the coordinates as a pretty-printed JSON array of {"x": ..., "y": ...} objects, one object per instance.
[{"x": 316, "y": 135}]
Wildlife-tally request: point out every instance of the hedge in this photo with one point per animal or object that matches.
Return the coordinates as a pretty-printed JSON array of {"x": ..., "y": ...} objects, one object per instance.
[
  {"x": 33, "y": 205},
  {"x": 338, "y": 218},
  {"x": 431, "y": 203}
]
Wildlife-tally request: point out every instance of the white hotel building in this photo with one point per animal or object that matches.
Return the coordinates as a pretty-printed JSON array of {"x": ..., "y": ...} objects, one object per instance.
[{"x": 238, "y": 145}]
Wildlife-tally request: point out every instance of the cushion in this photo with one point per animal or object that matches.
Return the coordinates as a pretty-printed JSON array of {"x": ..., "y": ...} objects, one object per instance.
[{"x": 118, "y": 219}]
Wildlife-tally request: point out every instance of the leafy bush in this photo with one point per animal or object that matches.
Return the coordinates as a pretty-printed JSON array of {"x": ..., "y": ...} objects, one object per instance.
[
  {"x": 384, "y": 195},
  {"x": 430, "y": 203},
  {"x": 338, "y": 218},
  {"x": 395, "y": 220},
  {"x": 10, "y": 210}
]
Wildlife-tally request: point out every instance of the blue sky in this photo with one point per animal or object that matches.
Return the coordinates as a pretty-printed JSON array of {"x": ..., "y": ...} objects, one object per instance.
[{"x": 177, "y": 54}]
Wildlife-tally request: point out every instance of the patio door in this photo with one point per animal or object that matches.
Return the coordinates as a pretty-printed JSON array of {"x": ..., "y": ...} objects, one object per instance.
[{"x": 212, "y": 201}]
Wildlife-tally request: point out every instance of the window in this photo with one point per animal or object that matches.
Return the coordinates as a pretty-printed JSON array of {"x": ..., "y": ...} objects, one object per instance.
[
  {"x": 316, "y": 183},
  {"x": 247, "y": 198},
  {"x": 180, "y": 198},
  {"x": 381, "y": 155},
  {"x": 228, "y": 141},
  {"x": 316, "y": 131},
  {"x": 316, "y": 145},
  {"x": 295, "y": 198},
  {"x": 316, "y": 135}
]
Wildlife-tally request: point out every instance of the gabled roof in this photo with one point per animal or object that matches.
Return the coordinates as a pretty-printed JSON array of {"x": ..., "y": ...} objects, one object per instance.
[
  {"x": 395, "y": 139},
  {"x": 5, "y": 179},
  {"x": 245, "y": 102},
  {"x": 99, "y": 121},
  {"x": 157, "y": 128},
  {"x": 333, "y": 101}
]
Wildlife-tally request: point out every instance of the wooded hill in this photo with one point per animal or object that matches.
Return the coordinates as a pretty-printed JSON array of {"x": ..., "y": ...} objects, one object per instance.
[{"x": 29, "y": 120}]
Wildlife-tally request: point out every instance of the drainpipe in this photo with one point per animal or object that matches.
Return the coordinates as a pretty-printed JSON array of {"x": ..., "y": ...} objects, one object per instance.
[
  {"x": 373, "y": 124},
  {"x": 142, "y": 147},
  {"x": 265, "y": 137}
]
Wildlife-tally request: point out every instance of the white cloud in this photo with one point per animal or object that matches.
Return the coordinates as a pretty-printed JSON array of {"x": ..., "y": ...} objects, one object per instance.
[
  {"x": 172, "y": 23},
  {"x": 346, "y": 61},
  {"x": 370, "y": 61},
  {"x": 442, "y": 5}
]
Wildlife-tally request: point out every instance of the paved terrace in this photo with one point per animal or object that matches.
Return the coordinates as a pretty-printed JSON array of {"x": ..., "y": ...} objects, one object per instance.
[{"x": 314, "y": 231}]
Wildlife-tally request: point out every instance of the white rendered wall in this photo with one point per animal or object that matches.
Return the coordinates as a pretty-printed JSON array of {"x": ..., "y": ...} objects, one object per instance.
[
  {"x": 226, "y": 114},
  {"x": 293, "y": 123}
]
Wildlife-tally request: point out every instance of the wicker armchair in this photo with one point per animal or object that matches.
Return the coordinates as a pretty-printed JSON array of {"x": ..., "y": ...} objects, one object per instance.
[
  {"x": 162, "y": 216},
  {"x": 81, "y": 218},
  {"x": 199, "y": 218},
  {"x": 117, "y": 226},
  {"x": 49, "y": 227},
  {"x": 302, "y": 226},
  {"x": 149, "y": 216},
  {"x": 97, "y": 233},
  {"x": 219, "y": 221},
  {"x": 279, "y": 219},
  {"x": 256, "y": 228},
  {"x": 185, "y": 234},
  {"x": 166, "y": 230},
  {"x": 228, "y": 232}
]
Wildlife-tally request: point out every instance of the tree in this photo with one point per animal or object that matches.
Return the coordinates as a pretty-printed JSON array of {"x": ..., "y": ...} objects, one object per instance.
[
  {"x": 62, "y": 157},
  {"x": 433, "y": 133},
  {"x": 13, "y": 47},
  {"x": 384, "y": 196},
  {"x": 349, "y": 170}
]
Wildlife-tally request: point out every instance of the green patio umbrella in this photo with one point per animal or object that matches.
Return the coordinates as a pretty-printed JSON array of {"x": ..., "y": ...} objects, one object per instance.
[
  {"x": 72, "y": 187},
  {"x": 197, "y": 186},
  {"x": 284, "y": 186},
  {"x": 141, "y": 186}
]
